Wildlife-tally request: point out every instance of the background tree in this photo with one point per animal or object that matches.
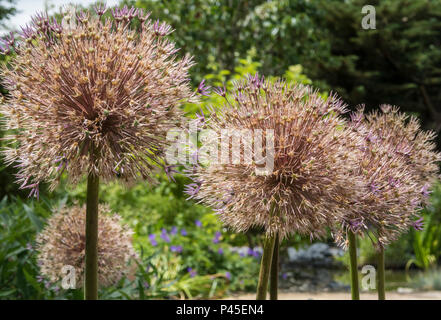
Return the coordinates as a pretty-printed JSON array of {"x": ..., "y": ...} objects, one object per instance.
[
  {"x": 6, "y": 174},
  {"x": 220, "y": 33},
  {"x": 397, "y": 63},
  {"x": 6, "y": 10}
]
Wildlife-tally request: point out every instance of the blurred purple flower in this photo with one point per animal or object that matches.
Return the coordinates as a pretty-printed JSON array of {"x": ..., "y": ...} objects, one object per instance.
[
  {"x": 174, "y": 230},
  {"x": 153, "y": 241},
  {"x": 228, "y": 275},
  {"x": 217, "y": 237},
  {"x": 184, "y": 232},
  {"x": 203, "y": 90},
  {"x": 192, "y": 272},
  {"x": 220, "y": 251},
  {"x": 146, "y": 285},
  {"x": 177, "y": 249},
  {"x": 284, "y": 276},
  {"x": 164, "y": 236},
  {"x": 198, "y": 223}
]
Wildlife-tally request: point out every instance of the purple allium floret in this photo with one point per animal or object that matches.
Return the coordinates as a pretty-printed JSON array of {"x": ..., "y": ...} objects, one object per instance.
[
  {"x": 221, "y": 91},
  {"x": 100, "y": 9},
  {"x": 203, "y": 90},
  {"x": 198, "y": 223},
  {"x": 192, "y": 190},
  {"x": 418, "y": 224}
]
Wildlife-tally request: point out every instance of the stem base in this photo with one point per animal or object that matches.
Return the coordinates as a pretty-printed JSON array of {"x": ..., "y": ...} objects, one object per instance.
[{"x": 91, "y": 263}]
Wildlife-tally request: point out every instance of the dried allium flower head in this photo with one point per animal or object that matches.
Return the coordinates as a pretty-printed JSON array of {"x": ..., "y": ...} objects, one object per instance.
[
  {"x": 63, "y": 243},
  {"x": 398, "y": 163},
  {"x": 92, "y": 94},
  {"x": 311, "y": 178}
]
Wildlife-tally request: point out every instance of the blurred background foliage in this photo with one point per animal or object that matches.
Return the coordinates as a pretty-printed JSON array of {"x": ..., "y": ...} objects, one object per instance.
[{"x": 183, "y": 250}]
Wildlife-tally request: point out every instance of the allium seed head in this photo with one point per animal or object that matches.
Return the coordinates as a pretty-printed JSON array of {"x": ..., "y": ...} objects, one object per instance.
[
  {"x": 397, "y": 164},
  {"x": 63, "y": 242},
  {"x": 93, "y": 92},
  {"x": 311, "y": 178}
]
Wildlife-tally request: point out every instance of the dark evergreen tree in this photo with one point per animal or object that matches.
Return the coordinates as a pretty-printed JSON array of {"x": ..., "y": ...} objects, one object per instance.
[
  {"x": 6, "y": 174},
  {"x": 397, "y": 63}
]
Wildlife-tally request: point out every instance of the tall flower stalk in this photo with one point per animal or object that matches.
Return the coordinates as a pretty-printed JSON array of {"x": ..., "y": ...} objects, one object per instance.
[
  {"x": 352, "y": 242},
  {"x": 381, "y": 275},
  {"x": 265, "y": 267},
  {"x": 91, "y": 245},
  {"x": 92, "y": 95},
  {"x": 297, "y": 181},
  {"x": 397, "y": 164},
  {"x": 274, "y": 276}
]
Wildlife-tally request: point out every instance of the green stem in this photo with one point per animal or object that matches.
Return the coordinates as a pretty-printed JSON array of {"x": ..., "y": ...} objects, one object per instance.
[
  {"x": 265, "y": 266},
  {"x": 355, "y": 292},
  {"x": 274, "y": 276},
  {"x": 381, "y": 275},
  {"x": 91, "y": 269}
]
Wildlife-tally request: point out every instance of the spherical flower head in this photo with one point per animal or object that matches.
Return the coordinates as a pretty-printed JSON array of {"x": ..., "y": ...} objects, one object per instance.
[
  {"x": 62, "y": 243},
  {"x": 310, "y": 179},
  {"x": 397, "y": 164},
  {"x": 92, "y": 95}
]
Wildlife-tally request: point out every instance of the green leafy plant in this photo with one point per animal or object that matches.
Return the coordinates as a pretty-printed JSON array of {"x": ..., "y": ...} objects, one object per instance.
[
  {"x": 427, "y": 242},
  {"x": 19, "y": 221}
]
